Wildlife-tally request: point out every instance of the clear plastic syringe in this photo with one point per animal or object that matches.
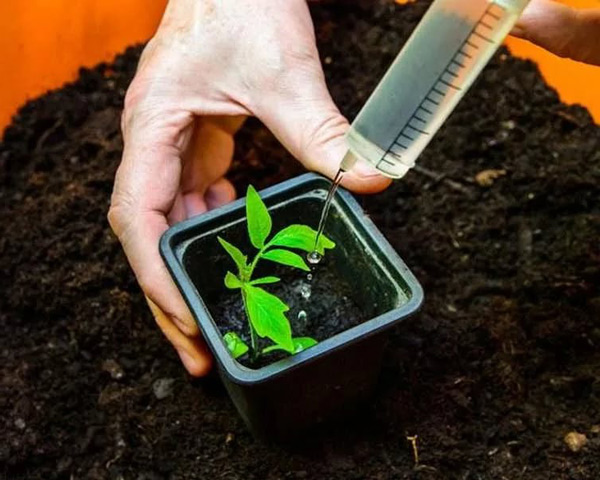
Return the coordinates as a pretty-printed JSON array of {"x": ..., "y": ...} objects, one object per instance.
[{"x": 445, "y": 54}]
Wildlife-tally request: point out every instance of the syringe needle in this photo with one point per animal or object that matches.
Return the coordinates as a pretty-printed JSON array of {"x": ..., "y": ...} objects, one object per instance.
[{"x": 348, "y": 161}]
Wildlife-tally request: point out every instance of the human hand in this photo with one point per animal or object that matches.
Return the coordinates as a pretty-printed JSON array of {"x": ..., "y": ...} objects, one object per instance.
[
  {"x": 211, "y": 64},
  {"x": 565, "y": 31}
]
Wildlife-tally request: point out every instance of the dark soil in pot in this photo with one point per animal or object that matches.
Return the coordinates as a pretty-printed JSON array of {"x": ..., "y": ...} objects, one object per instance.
[
  {"x": 329, "y": 310},
  {"x": 501, "y": 364}
]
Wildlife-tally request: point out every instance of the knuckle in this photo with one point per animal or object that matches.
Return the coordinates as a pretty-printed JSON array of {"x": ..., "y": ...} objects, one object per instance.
[
  {"x": 330, "y": 127},
  {"x": 119, "y": 214},
  {"x": 131, "y": 105},
  {"x": 115, "y": 219},
  {"x": 137, "y": 92}
]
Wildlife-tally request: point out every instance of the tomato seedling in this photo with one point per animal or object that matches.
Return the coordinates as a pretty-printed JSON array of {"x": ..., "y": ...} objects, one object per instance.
[{"x": 266, "y": 313}]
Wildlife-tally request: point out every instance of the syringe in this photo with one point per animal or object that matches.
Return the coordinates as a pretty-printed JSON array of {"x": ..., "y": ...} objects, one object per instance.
[{"x": 442, "y": 58}]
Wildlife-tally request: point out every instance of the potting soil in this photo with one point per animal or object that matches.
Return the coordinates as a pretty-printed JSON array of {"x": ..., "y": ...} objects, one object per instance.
[
  {"x": 500, "y": 224},
  {"x": 319, "y": 309}
]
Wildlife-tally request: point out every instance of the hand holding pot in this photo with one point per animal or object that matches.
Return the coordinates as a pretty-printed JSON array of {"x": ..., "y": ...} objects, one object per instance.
[
  {"x": 565, "y": 31},
  {"x": 211, "y": 64}
]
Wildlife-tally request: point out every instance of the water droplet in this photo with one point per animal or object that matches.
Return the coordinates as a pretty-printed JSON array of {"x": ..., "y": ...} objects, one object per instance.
[
  {"x": 309, "y": 277},
  {"x": 302, "y": 316},
  {"x": 305, "y": 291},
  {"x": 314, "y": 258}
]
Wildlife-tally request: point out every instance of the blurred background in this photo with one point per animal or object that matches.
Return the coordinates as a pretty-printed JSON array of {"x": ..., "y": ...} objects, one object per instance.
[{"x": 45, "y": 42}]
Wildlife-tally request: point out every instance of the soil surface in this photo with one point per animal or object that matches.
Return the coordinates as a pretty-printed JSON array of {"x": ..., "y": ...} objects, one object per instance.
[
  {"x": 318, "y": 309},
  {"x": 501, "y": 364}
]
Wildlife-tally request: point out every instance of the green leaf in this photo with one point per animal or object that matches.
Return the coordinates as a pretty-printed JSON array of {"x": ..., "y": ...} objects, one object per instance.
[
  {"x": 263, "y": 280},
  {"x": 232, "y": 282},
  {"x": 258, "y": 218},
  {"x": 286, "y": 257},
  {"x": 302, "y": 237},
  {"x": 235, "y": 344},
  {"x": 300, "y": 344},
  {"x": 267, "y": 315},
  {"x": 238, "y": 257}
]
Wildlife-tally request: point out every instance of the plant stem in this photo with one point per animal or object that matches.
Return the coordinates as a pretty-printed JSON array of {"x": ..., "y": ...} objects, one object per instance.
[
  {"x": 255, "y": 261},
  {"x": 246, "y": 277},
  {"x": 253, "y": 340},
  {"x": 253, "y": 344}
]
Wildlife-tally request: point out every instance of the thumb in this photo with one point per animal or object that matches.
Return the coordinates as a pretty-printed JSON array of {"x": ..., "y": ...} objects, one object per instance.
[{"x": 306, "y": 121}]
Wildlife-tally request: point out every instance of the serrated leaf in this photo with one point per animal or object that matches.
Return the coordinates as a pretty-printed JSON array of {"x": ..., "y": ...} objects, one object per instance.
[
  {"x": 258, "y": 218},
  {"x": 267, "y": 315},
  {"x": 302, "y": 237},
  {"x": 285, "y": 257},
  {"x": 300, "y": 344},
  {"x": 232, "y": 282},
  {"x": 236, "y": 346},
  {"x": 235, "y": 253},
  {"x": 264, "y": 280}
]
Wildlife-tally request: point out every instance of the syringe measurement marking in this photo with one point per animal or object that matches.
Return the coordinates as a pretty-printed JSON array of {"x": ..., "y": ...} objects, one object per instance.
[
  {"x": 450, "y": 77},
  {"x": 449, "y": 84},
  {"x": 489, "y": 12},
  {"x": 456, "y": 62},
  {"x": 418, "y": 130},
  {"x": 484, "y": 37},
  {"x": 385, "y": 160},
  {"x": 440, "y": 91}
]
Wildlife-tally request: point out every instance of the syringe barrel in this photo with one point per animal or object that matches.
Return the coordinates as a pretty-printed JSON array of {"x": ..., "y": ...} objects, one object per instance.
[{"x": 442, "y": 58}]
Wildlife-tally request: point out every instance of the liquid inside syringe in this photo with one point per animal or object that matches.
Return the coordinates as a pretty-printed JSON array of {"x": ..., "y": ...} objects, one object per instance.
[{"x": 438, "y": 64}]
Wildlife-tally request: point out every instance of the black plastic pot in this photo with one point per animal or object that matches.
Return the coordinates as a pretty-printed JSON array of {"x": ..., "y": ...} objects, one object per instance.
[{"x": 284, "y": 398}]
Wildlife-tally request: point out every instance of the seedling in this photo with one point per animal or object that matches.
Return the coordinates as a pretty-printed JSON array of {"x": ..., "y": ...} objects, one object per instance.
[{"x": 266, "y": 313}]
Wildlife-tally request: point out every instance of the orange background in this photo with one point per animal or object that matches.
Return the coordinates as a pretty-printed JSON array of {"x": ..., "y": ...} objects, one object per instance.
[
  {"x": 44, "y": 42},
  {"x": 575, "y": 81}
]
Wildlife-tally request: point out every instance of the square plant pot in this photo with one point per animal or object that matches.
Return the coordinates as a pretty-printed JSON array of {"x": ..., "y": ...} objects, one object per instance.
[{"x": 282, "y": 399}]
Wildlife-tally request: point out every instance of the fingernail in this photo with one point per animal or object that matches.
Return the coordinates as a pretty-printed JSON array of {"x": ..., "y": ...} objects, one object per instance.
[
  {"x": 194, "y": 204},
  {"x": 364, "y": 170},
  {"x": 196, "y": 367},
  {"x": 187, "y": 359}
]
